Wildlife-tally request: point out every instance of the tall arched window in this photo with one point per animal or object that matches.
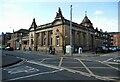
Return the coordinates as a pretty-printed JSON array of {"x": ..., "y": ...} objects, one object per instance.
[
  {"x": 51, "y": 40},
  {"x": 44, "y": 39},
  {"x": 57, "y": 41}
]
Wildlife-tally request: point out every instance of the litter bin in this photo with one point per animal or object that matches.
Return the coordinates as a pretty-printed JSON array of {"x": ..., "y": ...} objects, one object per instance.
[
  {"x": 53, "y": 50},
  {"x": 80, "y": 50}
]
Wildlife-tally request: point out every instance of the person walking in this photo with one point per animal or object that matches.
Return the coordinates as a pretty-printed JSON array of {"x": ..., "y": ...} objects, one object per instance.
[{"x": 50, "y": 49}]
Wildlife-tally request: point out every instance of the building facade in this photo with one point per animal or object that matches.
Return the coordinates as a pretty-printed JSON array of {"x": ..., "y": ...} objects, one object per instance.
[
  {"x": 57, "y": 34},
  {"x": 115, "y": 38},
  {"x": 16, "y": 39}
]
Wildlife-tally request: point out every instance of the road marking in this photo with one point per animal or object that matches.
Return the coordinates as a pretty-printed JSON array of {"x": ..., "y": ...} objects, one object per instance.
[
  {"x": 91, "y": 67},
  {"x": 42, "y": 60},
  {"x": 104, "y": 54},
  {"x": 36, "y": 74},
  {"x": 108, "y": 60},
  {"x": 109, "y": 65},
  {"x": 20, "y": 69},
  {"x": 60, "y": 63},
  {"x": 45, "y": 65},
  {"x": 91, "y": 73},
  {"x": 111, "y": 62},
  {"x": 87, "y": 74}
]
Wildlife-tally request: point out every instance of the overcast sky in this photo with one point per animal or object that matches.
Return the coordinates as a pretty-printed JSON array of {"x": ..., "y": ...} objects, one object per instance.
[{"x": 19, "y": 14}]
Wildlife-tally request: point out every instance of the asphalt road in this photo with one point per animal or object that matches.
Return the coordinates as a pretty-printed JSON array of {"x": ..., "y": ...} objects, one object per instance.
[{"x": 48, "y": 67}]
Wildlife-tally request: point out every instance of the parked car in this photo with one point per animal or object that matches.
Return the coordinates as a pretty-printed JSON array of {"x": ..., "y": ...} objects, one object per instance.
[
  {"x": 102, "y": 49},
  {"x": 2, "y": 47},
  {"x": 9, "y": 48},
  {"x": 112, "y": 48},
  {"x": 118, "y": 48}
]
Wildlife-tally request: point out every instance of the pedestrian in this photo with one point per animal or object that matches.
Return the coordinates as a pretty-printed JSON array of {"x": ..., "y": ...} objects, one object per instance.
[
  {"x": 64, "y": 50},
  {"x": 29, "y": 49},
  {"x": 96, "y": 50},
  {"x": 24, "y": 48},
  {"x": 50, "y": 49}
]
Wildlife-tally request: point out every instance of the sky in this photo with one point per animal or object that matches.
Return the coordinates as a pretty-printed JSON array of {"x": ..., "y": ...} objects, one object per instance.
[{"x": 19, "y": 14}]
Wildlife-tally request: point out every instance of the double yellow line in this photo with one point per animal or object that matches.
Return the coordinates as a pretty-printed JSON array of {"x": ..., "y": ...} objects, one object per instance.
[{"x": 60, "y": 63}]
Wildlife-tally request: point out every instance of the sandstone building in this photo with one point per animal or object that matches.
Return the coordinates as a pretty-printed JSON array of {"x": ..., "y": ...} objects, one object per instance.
[
  {"x": 115, "y": 38},
  {"x": 57, "y": 34}
]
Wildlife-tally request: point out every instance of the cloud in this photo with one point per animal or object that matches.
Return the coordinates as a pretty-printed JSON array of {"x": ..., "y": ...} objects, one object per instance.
[
  {"x": 15, "y": 18},
  {"x": 98, "y": 12},
  {"x": 106, "y": 24}
]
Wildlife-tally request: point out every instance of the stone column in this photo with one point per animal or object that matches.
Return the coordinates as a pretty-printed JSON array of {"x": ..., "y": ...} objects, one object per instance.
[
  {"x": 81, "y": 39},
  {"x": 35, "y": 42},
  {"x": 47, "y": 39},
  {"x": 87, "y": 40},
  {"x": 41, "y": 39},
  {"x": 75, "y": 38}
]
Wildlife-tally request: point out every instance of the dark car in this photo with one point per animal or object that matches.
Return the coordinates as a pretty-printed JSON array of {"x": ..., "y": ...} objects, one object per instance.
[
  {"x": 118, "y": 48},
  {"x": 112, "y": 48},
  {"x": 9, "y": 48},
  {"x": 102, "y": 49},
  {"x": 2, "y": 47}
]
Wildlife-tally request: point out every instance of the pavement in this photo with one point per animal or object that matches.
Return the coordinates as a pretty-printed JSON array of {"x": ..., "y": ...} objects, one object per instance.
[
  {"x": 84, "y": 54},
  {"x": 87, "y": 53},
  {"x": 12, "y": 60}
]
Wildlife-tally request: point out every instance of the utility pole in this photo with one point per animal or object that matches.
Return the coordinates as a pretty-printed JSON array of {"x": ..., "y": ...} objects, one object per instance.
[{"x": 71, "y": 51}]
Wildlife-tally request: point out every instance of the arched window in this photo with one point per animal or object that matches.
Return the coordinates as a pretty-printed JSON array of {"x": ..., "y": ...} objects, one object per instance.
[
  {"x": 44, "y": 40},
  {"x": 57, "y": 40},
  {"x": 31, "y": 35},
  {"x": 51, "y": 40}
]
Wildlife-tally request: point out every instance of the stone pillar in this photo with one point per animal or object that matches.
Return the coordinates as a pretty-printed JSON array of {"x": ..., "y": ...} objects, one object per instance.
[
  {"x": 84, "y": 39},
  {"x": 75, "y": 39},
  {"x": 94, "y": 43},
  {"x": 87, "y": 40},
  {"x": 81, "y": 39},
  {"x": 41, "y": 39},
  {"x": 35, "y": 42},
  {"x": 47, "y": 39}
]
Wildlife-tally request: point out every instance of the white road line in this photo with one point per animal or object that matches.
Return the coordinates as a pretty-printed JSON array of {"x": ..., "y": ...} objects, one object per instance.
[
  {"x": 112, "y": 63},
  {"x": 108, "y": 60},
  {"x": 45, "y": 65},
  {"x": 42, "y": 60},
  {"x": 36, "y": 74},
  {"x": 26, "y": 69},
  {"x": 109, "y": 65}
]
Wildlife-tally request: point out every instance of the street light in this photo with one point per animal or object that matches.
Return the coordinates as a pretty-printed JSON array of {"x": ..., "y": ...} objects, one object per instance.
[
  {"x": 71, "y": 31},
  {"x": 20, "y": 41}
]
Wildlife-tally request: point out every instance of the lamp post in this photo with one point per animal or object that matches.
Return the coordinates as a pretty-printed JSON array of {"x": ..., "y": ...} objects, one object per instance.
[
  {"x": 71, "y": 53},
  {"x": 20, "y": 41}
]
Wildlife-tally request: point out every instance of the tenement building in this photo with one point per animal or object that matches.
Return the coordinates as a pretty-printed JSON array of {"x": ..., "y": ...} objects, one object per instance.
[
  {"x": 57, "y": 34},
  {"x": 115, "y": 38}
]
